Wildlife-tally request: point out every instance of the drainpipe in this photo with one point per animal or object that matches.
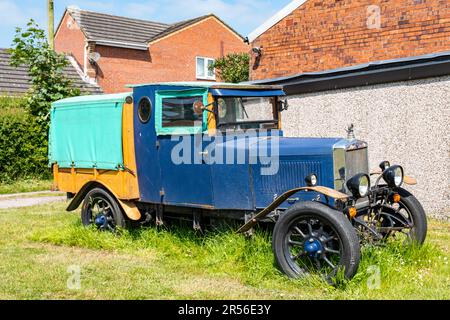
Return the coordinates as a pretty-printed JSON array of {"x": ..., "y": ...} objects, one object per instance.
[{"x": 51, "y": 24}]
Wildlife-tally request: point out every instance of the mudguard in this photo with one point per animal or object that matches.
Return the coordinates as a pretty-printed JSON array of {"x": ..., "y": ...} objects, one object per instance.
[
  {"x": 130, "y": 209},
  {"x": 264, "y": 213}
]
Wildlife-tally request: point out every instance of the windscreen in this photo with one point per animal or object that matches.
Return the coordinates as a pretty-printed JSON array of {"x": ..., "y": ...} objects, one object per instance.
[{"x": 246, "y": 113}]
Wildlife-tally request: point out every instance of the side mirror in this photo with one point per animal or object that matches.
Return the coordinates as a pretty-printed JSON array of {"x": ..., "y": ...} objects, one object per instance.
[{"x": 198, "y": 108}]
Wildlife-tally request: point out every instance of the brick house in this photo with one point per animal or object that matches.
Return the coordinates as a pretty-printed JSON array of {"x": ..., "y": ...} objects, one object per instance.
[
  {"x": 115, "y": 51},
  {"x": 318, "y": 35},
  {"x": 383, "y": 65}
]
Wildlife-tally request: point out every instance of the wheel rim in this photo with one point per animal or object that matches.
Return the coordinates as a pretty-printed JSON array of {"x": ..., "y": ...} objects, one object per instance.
[
  {"x": 100, "y": 213},
  {"x": 394, "y": 220},
  {"x": 313, "y": 245}
]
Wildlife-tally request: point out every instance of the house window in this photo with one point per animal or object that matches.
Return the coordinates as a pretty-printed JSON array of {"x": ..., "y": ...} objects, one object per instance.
[
  {"x": 179, "y": 112},
  {"x": 203, "y": 69}
]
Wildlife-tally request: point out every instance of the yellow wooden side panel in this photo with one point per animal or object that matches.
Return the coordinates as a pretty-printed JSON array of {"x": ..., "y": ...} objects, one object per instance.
[
  {"x": 129, "y": 155},
  {"x": 211, "y": 116},
  {"x": 123, "y": 183}
]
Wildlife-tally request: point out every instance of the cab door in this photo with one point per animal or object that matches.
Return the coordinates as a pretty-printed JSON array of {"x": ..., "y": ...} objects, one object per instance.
[{"x": 186, "y": 178}]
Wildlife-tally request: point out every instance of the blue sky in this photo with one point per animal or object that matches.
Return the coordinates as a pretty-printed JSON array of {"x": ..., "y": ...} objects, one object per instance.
[{"x": 243, "y": 15}]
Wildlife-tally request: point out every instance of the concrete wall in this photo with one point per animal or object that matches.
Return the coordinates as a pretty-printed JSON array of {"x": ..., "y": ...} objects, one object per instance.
[{"x": 407, "y": 123}]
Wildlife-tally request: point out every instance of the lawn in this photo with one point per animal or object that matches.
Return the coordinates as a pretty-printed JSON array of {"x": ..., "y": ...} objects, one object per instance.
[
  {"x": 28, "y": 185},
  {"x": 41, "y": 246}
]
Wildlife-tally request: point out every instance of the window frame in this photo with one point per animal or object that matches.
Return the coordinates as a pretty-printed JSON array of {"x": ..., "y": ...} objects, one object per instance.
[
  {"x": 160, "y": 95},
  {"x": 276, "y": 115},
  {"x": 205, "y": 69}
]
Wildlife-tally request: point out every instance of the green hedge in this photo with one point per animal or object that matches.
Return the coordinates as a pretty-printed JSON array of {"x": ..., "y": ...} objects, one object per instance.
[{"x": 23, "y": 144}]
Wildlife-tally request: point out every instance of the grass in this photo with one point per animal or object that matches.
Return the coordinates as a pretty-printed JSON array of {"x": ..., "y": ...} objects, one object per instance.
[
  {"x": 25, "y": 185},
  {"x": 39, "y": 245}
]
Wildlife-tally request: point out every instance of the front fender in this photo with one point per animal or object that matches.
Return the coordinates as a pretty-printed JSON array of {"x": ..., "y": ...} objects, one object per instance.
[
  {"x": 264, "y": 213},
  {"x": 409, "y": 180}
]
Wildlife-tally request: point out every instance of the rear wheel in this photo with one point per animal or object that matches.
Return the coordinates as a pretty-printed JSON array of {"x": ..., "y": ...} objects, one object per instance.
[
  {"x": 313, "y": 238},
  {"x": 101, "y": 209}
]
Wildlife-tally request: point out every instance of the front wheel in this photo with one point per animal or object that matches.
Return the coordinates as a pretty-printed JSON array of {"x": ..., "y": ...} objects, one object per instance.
[
  {"x": 405, "y": 219},
  {"x": 101, "y": 208},
  {"x": 311, "y": 237}
]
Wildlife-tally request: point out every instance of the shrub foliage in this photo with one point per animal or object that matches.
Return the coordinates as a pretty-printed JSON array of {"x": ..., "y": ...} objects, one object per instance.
[
  {"x": 23, "y": 147},
  {"x": 233, "y": 68},
  {"x": 45, "y": 67},
  {"x": 24, "y": 122}
]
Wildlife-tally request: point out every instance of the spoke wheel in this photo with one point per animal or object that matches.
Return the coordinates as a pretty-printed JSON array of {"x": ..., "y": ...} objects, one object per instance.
[
  {"x": 102, "y": 210},
  {"x": 311, "y": 245},
  {"x": 405, "y": 221},
  {"x": 310, "y": 238}
]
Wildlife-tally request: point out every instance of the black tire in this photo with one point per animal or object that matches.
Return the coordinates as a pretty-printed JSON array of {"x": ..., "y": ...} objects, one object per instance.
[
  {"x": 418, "y": 233},
  {"x": 108, "y": 207},
  {"x": 345, "y": 241}
]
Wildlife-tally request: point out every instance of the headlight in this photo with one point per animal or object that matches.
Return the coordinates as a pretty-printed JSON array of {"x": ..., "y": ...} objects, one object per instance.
[
  {"x": 311, "y": 180},
  {"x": 359, "y": 185},
  {"x": 394, "y": 176}
]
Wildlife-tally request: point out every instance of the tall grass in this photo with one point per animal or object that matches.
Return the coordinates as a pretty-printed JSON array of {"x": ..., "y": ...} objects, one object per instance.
[{"x": 250, "y": 261}]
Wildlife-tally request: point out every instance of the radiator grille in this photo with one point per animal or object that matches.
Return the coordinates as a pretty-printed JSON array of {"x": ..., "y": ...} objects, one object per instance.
[
  {"x": 291, "y": 175},
  {"x": 349, "y": 158}
]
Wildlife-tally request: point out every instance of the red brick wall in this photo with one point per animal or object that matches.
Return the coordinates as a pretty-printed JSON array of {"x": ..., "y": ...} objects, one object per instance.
[
  {"x": 70, "y": 39},
  {"x": 169, "y": 59},
  {"x": 329, "y": 34}
]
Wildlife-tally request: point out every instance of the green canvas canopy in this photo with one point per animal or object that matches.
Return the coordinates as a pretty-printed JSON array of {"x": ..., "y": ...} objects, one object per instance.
[{"x": 86, "y": 132}]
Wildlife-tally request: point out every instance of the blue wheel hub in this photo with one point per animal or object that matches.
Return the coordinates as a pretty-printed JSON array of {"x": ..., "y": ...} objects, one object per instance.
[
  {"x": 313, "y": 247},
  {"x": 100, "y": 220}
]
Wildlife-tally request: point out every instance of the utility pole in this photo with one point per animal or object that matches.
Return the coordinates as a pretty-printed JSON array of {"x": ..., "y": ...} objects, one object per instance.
[{"x": 51, "y": 24}]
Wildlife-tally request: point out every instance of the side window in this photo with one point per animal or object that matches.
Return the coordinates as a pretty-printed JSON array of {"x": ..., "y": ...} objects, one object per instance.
[
  {"x": 145, "y": 109},
  {"x": 176, "y": 112},
  {"x": 179, "y": 112}
]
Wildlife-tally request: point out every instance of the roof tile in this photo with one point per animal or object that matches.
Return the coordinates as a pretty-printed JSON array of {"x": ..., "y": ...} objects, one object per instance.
[
  {"x": 17, "y": 81},
  {"x": 102, "y": 27},
  {"x": 99, "y": 26}
]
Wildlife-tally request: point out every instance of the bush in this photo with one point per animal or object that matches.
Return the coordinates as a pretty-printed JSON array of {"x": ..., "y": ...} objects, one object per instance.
[
  {"x": 24, "y": 122},
  {"x": 23, "y": 144},
  {"x": 233, "y": 68}
]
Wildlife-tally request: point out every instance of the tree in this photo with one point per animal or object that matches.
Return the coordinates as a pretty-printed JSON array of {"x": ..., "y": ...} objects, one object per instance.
[
  {"x": 233, "y": 67},
  {"x": 45, "y": 67}
]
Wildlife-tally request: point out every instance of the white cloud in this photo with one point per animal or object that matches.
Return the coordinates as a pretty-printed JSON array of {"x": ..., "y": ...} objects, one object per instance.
[{"x": 13, "y": 14}]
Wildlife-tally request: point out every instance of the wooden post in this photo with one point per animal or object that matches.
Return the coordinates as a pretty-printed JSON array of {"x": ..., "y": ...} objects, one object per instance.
[{"x": 51, "y": 24}]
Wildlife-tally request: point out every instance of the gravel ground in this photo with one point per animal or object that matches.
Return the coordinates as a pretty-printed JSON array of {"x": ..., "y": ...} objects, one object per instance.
[{"x": 21, "y": 200}]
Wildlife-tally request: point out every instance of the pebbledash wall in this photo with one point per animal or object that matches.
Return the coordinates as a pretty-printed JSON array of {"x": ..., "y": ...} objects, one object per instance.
[
  {"x": 320, "y": 45},
  {"x": 407, "y": 123}
]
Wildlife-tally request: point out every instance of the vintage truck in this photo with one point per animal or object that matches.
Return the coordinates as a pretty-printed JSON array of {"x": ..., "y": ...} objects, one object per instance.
[{"x": 211, "y": 151}]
